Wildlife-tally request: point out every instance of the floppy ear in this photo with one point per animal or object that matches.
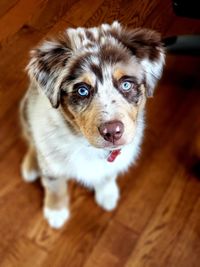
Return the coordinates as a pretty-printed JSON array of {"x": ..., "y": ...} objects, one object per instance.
[
  {"x": 146, "y": 45},
  {"x": 47, "y": 61}
]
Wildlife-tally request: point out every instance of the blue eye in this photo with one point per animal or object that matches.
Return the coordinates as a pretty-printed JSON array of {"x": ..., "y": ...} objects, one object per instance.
[
  {"x": 126, "y": 86},
  {"x": 83, "y": 91}
]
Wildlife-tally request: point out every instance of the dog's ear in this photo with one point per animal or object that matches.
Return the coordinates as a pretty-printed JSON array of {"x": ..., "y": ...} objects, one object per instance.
[
  {"x": 47, "y": 61},
  {"x": 147, "y": 47}
]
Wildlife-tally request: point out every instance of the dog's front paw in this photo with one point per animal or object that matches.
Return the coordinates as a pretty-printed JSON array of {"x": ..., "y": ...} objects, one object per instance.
[
  {"x": 30, "y": 175},
  {"x": 107, "y": 196},
  {"x": 56, "y": 218}
]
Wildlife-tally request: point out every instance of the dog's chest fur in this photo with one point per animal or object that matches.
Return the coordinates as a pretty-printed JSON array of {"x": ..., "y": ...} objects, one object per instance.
[{"x": 69, "y": 155}]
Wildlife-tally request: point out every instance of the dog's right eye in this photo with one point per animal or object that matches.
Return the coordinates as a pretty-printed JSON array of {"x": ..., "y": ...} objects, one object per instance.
[{"x": 83, "y": 91}]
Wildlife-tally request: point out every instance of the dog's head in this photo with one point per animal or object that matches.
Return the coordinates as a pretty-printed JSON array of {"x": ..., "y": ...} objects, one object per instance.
[{"x": 100, "y": 78}]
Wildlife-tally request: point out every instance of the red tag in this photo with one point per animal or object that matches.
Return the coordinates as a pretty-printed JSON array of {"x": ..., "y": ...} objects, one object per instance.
[{"x": 112, "y": 156}]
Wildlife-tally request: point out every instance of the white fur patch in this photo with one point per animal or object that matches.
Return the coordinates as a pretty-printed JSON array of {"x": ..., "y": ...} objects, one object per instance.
[
  {"x": 30, "y": 176},
  {"x": 95, "y": 60},
  {"x": 79, "y": 39},
  {"x": 153, "y": 70},
  {"x": 107, "y": 195},
  {"x": 56, "y": 218},
  {"x": 116, "y": 25},
  {"x": 48, "y": 46}
]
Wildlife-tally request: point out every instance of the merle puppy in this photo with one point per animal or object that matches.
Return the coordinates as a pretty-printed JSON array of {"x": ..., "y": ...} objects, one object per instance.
[{"x": 83, "y": 114}]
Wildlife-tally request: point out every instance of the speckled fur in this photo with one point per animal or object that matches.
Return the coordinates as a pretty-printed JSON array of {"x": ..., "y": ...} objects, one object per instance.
[{"x": 62, "y": 128}]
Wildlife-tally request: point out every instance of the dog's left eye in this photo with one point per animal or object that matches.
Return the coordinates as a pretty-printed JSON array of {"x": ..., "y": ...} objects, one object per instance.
[{"x": 126, "y": 85}]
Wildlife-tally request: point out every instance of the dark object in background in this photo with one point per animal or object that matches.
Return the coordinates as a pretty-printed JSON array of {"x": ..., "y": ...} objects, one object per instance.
[
  {"x": 187, "y": 8},
  {"x": 185, "y": 44}
]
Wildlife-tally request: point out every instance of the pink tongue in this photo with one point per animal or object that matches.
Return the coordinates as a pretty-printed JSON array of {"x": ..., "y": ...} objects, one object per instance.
[{"x": 112, "y": 156}]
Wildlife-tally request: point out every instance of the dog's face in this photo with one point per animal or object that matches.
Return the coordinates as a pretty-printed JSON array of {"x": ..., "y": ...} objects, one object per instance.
[{"x": 100, "y": 78}]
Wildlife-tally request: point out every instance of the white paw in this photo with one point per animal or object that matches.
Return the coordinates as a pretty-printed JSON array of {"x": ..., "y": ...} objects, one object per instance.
[
  {"x": 30, "y": 176},
  {"x": 107, "y": 197},
  {"x": 56, "y": 218}
]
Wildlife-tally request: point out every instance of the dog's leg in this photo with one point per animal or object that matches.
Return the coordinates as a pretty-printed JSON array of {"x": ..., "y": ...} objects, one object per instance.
[
  {"x": 29, "y": 168},
  {"x": 107, "y": 194},
  {"x": 56, "y": 202}
]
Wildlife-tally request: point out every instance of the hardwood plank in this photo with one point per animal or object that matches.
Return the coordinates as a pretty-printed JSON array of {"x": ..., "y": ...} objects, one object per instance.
[
  {"x": 160, "y": 21},
  {"x": 161, "y": 233},
  {"x": 114, "y": 247},
  {"x": 18, "y": 205},
  {"x": 14, "y": 57},
  {"x": 10, "y": 177},
  {"x": 75, "y": 16},
  {"x": 41, "y": 15},
  {"x": 16, "y": 214},
  {"x": 17, "y": 16},
  {"x": 5, "y": 6},
  {"x": 134, "y": 13},
  {"x": 187, "y": 250},
  {"x": 106, "y": 13},
  {"x": 17, "y": 257},
  {"x": 49, "y": 13}
]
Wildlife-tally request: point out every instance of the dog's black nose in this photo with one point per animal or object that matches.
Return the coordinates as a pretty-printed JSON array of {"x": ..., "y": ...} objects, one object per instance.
[{"x": 111, "y": 131}]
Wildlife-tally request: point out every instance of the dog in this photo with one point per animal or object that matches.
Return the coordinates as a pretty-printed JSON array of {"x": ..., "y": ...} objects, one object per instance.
[{"x": 83, "y": 113}]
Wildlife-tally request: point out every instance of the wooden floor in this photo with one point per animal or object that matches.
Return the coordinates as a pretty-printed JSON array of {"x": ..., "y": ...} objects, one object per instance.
[{"x": 157, "y": 222}]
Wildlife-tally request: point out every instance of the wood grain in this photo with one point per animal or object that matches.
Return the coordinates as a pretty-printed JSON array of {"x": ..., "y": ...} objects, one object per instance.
[{"x": 157, "y": 222}]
